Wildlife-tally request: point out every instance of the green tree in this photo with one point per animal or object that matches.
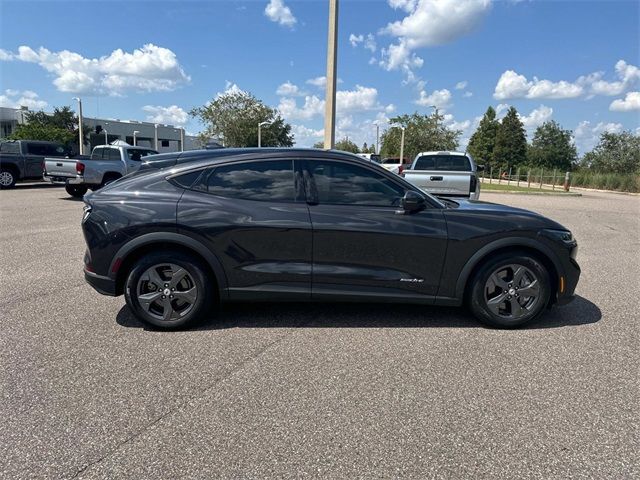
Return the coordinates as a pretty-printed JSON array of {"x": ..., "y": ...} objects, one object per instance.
[
  {"x": 319, "y": 145},
  {"x": 364, "y": 148},
  {"x": 234, "y": 116},
  {"x": 422, "y": 133},
  {"x": 372, "y": 149},
  {"x": 511, "y": 142},
  {"x": 60, "y": 126},
  {"x": 483, "y": 141},
  {"x": 552, "y": 147},
  {"x": 616, "y": 153},
  {"x": 347, "y": 145}
]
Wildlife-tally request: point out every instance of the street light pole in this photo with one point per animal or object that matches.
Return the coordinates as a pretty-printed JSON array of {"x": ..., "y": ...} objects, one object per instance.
[
  {"x": 106, "y": 137},
  {"x": 182, "y": 139},
  {"x": 377, "y": 138},
  {"x": 402, "y": 147},
  {"x": 80, "y": 133},
  {"x": 155, "y": 135},
  {"x": 330, "y": 99},
  {"x": 135, "y": 138},
  {"x": 260, "y": 125}
]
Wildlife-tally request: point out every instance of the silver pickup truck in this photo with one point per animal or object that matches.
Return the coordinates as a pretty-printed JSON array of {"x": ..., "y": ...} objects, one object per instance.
[
  {"x": 106, "y": 164},
  {"x": 445, "y": 174}
]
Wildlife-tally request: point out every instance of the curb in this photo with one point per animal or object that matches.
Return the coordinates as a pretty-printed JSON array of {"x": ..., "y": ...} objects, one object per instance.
[{"x": 550, "y": 194}]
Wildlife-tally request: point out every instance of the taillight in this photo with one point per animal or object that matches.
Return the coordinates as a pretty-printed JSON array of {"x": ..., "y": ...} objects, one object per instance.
[
  {"x": 400, "y": 169},
  {"x": 80, "y": 168},
  {"x": 474, "y": 183}
]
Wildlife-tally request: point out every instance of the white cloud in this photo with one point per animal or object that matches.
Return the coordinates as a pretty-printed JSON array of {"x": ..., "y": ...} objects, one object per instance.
[
  {"x": 461, "y": 85},
  {"x": 467, "y": 94},
  {"x": 347, "y": 101},
  {"x": 354, "y": 40},
  {"x": 536, "y": 118},
  {"x": 172, "y": 115},
  {"x": 629, "y": 76},
  {"x": 439, "y": 98},
  {"x": 428, "y": 23},
  {"x": 587, "y": 136},
  {"x": 514, "y": 85},
  {"x": 278, "y": 12},
  {"x": 5, "y": 55},
  {"x": 27, "y": 98},
  {"x": 630, "y": 102},
  {"x": 306, "y": 137},
  {"x": 150, "y": 68},
  {"x": 320, "y": 82},
  {"x": 288, "y": 89}
]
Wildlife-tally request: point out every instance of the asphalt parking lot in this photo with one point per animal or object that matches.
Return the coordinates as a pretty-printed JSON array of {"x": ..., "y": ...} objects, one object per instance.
[{"x": 333, "y": 391}]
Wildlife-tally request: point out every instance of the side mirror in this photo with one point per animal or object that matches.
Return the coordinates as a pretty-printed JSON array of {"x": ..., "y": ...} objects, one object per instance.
[
  {"x": 480, "y": 168},
  {"x": 412, "y": 202}
]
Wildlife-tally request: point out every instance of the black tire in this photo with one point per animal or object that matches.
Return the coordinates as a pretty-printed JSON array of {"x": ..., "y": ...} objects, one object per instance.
[
  {"x": 508, "y": 308},
  {"x": 109, "y": 178},
  {"x": 153, "y": 312},
  {"x": 8, "y": 178},
  {"x": 76, "y": 191}
]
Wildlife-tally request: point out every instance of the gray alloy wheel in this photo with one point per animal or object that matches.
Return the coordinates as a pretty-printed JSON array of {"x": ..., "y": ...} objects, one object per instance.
[
  {"x": 166, "y": 292},
  {"x": 512, "y": 292},
  {"x": 7, "y": 179}
]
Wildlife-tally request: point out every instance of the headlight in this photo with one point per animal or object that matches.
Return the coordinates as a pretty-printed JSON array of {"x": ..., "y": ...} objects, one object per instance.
[{"x": 564, "y": 236}]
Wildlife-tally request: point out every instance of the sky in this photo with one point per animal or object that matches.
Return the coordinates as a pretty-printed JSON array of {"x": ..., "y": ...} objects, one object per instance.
[{"x": 575, "y": 62}]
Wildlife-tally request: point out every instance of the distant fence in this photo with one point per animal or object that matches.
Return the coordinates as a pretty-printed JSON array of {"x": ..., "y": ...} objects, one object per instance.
[{"x": 531, "y": 178}]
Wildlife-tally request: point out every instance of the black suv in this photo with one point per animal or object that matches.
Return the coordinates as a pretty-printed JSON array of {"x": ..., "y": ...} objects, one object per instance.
[{"x": 301, "y": 224}]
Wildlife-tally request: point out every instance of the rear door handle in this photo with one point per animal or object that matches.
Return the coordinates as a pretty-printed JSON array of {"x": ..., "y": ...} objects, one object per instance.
[{"x": 435, "y": 179}]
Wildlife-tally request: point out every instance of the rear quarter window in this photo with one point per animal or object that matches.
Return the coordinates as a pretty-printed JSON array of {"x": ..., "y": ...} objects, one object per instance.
[{"x": 10, "y": 147}]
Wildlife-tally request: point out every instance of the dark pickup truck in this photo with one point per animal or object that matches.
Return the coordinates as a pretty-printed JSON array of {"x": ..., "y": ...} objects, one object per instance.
[{"x": 24, "y": 159}]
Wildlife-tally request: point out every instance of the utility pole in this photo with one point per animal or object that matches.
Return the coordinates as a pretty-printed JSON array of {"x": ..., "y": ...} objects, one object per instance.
[
  {"x": 378, "y": 138},
  {"x": 155, "y": 136},
  {"x": 402, "y": 147},
  {"x": 182, "y": 139},
  {"x": 80, "y": 133},
  {"x": 330, "y": 99}
]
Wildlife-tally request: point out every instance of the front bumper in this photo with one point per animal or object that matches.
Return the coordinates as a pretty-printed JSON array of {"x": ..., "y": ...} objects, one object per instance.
[{"x": 568, "y": 282}]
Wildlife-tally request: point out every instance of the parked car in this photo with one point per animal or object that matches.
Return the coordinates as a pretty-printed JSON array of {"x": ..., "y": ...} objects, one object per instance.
[
  {"x": 106, "y": 164},
  {"x": 300, "y": 225},
  {"x": 394, "y": 164},
  {"x": 23, "y": 159},
  {"x": 445, "y": 174},
  {"x": 372, "y": 157}
]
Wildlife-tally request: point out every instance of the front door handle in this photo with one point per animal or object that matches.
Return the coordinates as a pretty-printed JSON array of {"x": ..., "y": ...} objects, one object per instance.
[{"x": 435, "y": 179}]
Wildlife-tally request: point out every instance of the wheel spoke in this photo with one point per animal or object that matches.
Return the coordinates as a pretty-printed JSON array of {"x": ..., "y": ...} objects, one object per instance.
[
  {"x": 148, "y": 298},
  {"x": 498, "y": 281},
  {"x": 188, "y": 296},
  {"x": 516, "y": 308},
  {"x": 495, "y": 302},
  {"x": 177, "y": 277},
  {"x": 153, "y": 276},
  {"x": 518, "y": 273},
  {"x": 531, "y": 290},
  {"x": 168, "y": 309}
]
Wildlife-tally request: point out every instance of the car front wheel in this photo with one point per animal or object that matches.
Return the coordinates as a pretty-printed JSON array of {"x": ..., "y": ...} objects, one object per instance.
[
  {"x": 510, "y": 290},
  {"x": 168, "y": 290},
  {"x": 7, "y": 179}
]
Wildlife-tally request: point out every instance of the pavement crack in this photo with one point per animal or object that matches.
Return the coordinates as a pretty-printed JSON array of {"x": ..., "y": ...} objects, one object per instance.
[{"x": 194, "y": 397}]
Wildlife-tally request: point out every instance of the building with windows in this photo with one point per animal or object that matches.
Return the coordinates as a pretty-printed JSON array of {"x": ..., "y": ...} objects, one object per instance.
[{"x": 164, "y": 138}]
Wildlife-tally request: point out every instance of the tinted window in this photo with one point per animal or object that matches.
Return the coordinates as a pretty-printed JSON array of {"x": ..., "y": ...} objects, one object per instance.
[
  {"x": 114, "y": 153},
  {"x": 97, "y": 153},
  {"x": 45, "y": 149},
  {"x": 454, "y": 163},
  {"x": 264, "y": 181},
  {"x": 345, "y": 184},
  {"x": 188, "y": 179},
  {"x": 137, "y": 153},
  {"x": 9, "y": 147}
]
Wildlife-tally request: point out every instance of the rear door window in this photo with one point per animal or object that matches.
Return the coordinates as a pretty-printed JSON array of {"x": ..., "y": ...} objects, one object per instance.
[
  {"x": 98, "y": 153},
  {"x": 114, "y": 153},
  {"x": 9, "y": 147},
  {"x": 272, "y": 180},
  {"x": 451, "y": 163}
]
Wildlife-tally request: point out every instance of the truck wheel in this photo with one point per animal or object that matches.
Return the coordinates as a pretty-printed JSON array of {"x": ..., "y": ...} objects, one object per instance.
[
  {"x": 76, "y": 191},
  {"x": 7, "y": 179},
  {"x": 168, "y": 290}
]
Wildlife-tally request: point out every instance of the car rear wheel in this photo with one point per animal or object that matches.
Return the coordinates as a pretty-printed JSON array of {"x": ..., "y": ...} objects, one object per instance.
[
  {"x": 510, "y": 291},
  {"x": 77, "y": 191},
  {"x": 168, "y": 290},
  {"x": 7, "y": 179}
]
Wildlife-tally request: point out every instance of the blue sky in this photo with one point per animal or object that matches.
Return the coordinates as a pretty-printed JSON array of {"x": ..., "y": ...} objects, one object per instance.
[{"x": 572, "y": 61}]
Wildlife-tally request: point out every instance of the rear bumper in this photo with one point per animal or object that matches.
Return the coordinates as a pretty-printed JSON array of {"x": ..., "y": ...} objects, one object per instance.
[
  {"x": 103, "y": 285},
  {"x": 77, "y": 180}
]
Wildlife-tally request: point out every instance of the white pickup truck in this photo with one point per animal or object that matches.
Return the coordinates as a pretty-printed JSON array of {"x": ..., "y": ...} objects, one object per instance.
[
  {"x": 106, "y": 164},
  {"x": 445, "y": 174}
]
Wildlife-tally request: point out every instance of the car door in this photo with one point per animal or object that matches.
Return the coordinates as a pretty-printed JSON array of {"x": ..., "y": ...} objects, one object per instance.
[
  {"x": 253, "y": 216},
  {"x": 364, "y": 245}
]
